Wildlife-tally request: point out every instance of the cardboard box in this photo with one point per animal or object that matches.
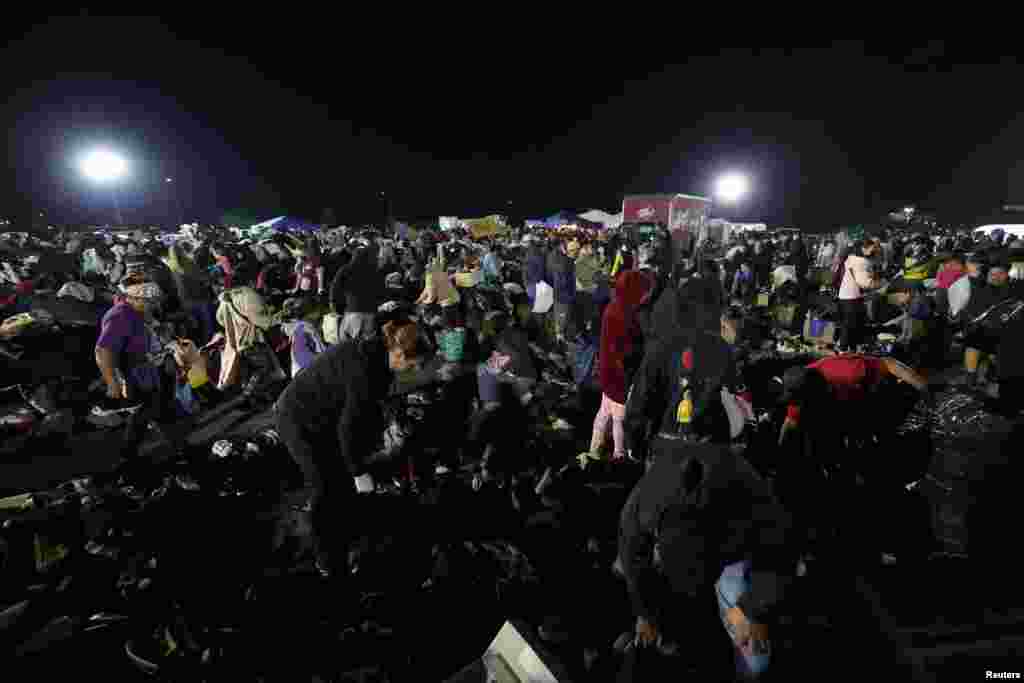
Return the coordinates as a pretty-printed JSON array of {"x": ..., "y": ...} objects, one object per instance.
[
  {"x": 515, "y": 656},
  {"x": 819, "y": 330}
]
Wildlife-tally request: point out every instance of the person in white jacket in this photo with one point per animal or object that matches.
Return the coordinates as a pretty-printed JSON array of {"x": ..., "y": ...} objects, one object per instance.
[{"x": 857, "y": 278}]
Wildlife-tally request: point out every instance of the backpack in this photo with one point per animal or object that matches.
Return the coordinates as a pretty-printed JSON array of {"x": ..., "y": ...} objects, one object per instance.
[{"x": 705, "y": 411}]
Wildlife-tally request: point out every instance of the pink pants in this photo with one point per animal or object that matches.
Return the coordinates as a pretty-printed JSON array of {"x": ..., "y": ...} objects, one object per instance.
[{"x": 616, "y": 412}]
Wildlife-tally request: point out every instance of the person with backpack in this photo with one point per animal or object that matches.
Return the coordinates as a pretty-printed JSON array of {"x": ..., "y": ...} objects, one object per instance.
[{"x": 701, "y": 521}]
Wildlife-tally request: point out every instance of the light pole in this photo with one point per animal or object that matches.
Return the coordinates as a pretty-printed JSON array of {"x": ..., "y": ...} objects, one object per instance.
[
  {"x": 104, "y": 167},
  {"x": 387, "y": 205},
  {"x": 169, "y": 182}
]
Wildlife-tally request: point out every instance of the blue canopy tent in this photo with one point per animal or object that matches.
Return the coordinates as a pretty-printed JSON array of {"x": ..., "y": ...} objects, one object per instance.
[
  {"x": 285, "y": 224},
  {"x": 559, "y": 219}
]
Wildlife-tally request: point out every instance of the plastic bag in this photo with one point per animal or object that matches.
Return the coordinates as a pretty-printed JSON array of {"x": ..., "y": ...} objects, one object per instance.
[
  {"x": 186, "y": 400},
  {"x": 544, "y": 298}
]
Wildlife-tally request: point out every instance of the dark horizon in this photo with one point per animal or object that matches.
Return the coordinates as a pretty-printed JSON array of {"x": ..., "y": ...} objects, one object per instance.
[{"x": 829, "y": 137}]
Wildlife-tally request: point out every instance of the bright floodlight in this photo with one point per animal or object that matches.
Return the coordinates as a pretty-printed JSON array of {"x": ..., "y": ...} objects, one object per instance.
[
  {"x": 731, "y": 187},
  {"x": 103, "y": 166}
]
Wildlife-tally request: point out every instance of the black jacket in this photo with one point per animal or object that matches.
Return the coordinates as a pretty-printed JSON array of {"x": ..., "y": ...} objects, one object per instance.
[
  {"x": 338, "y": 396},
  {"x": 190, "y": 288},
  {"x": 695, "y": 304},
  {"x": 653, "y": 400},
  {"x": 696, "y": 511},
  {"x": 358, "y": 287}
]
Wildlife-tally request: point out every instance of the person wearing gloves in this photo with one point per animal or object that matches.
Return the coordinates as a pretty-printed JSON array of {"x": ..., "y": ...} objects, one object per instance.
[
  {"x": 336, "y": 422},
  {"x": 701, "y": 523}
]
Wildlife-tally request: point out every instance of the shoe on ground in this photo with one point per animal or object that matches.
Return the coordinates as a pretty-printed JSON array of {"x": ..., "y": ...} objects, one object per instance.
[
  {"x": 624, "y": 642},
  {"x": 552, "y": 631},
  {"x": 99, "y": 418},
  {"x": 668, "y": 648},
  {"x": 39, "y": 398}
]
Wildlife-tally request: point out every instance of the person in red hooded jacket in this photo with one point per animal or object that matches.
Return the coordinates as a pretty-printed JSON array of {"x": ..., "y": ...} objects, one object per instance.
[{"x": 619, "y": 352}]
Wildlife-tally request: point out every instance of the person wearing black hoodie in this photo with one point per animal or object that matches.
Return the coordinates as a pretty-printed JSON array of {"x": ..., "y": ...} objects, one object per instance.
[
  {"x": 337, "y": 420},
  {"x": 701, "y": 512},
  {"x": 357, "y": 290}
]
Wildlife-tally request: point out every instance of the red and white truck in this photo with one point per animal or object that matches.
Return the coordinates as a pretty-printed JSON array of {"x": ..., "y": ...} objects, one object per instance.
[{"x": 683, "y": 215}]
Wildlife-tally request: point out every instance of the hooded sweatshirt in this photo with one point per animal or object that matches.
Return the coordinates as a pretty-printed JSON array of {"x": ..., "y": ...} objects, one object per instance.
[
  {"x": 695, "y": 304},
  {"x": 357, "y": 286},
  {"x": 691, "y": 345},
  {"x": 692, "y": 514},
  {"x": 619, "y": 329},
  {"x": 535, "y": 269},
  {"x": 587, "y": 266}
]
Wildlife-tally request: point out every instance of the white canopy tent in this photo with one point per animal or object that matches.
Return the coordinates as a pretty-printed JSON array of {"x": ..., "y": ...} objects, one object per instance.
[
  {"x": 606, "y": 219},
  {"x": 1016, "y": 230}
]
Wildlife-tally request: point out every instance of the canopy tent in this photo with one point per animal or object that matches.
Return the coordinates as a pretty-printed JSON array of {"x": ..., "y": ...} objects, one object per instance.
[
  {"x": 600, "y": 217},
  {"x": 489, "y": 226},
  {"x": 1016, "y": 230},
  {"x": 559, "y": 219},
  {"x": 285, "y": 224}
]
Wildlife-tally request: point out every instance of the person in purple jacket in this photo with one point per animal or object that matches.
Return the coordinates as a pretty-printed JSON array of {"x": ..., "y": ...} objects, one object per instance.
[{"x": 122, "y": 348}]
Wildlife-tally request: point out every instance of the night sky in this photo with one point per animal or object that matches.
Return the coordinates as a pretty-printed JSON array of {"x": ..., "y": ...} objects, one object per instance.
[{"x": 291, "y": 118}]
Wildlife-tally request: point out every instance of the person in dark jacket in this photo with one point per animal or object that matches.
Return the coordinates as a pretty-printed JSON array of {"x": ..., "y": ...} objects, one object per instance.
[
  {"x": 702, "y": 522},
  {"x": 333, "y": 419},
  {"x": 799, "y": 259},
  {"x": 983, "y": 337},
  {"x": 672, "y": 313},
  {"x": 562, "y": 270},
  {"x": 193, "y": 291},
  {"x": 534, "y": 269},
  {"x": 357, "y": 289},
  {"x": 676, "y": 412}
]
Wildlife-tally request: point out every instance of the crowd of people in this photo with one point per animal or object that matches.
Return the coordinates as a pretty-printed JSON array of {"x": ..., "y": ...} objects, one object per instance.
[{"x": 389, "y": 364}]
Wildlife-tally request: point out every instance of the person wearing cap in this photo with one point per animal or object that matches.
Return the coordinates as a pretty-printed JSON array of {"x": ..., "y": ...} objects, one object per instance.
[{"x": 122, "y": 348}]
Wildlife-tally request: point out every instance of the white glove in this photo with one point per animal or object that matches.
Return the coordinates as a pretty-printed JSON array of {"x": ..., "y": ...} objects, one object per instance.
[{"x": 364, "y": 484}]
